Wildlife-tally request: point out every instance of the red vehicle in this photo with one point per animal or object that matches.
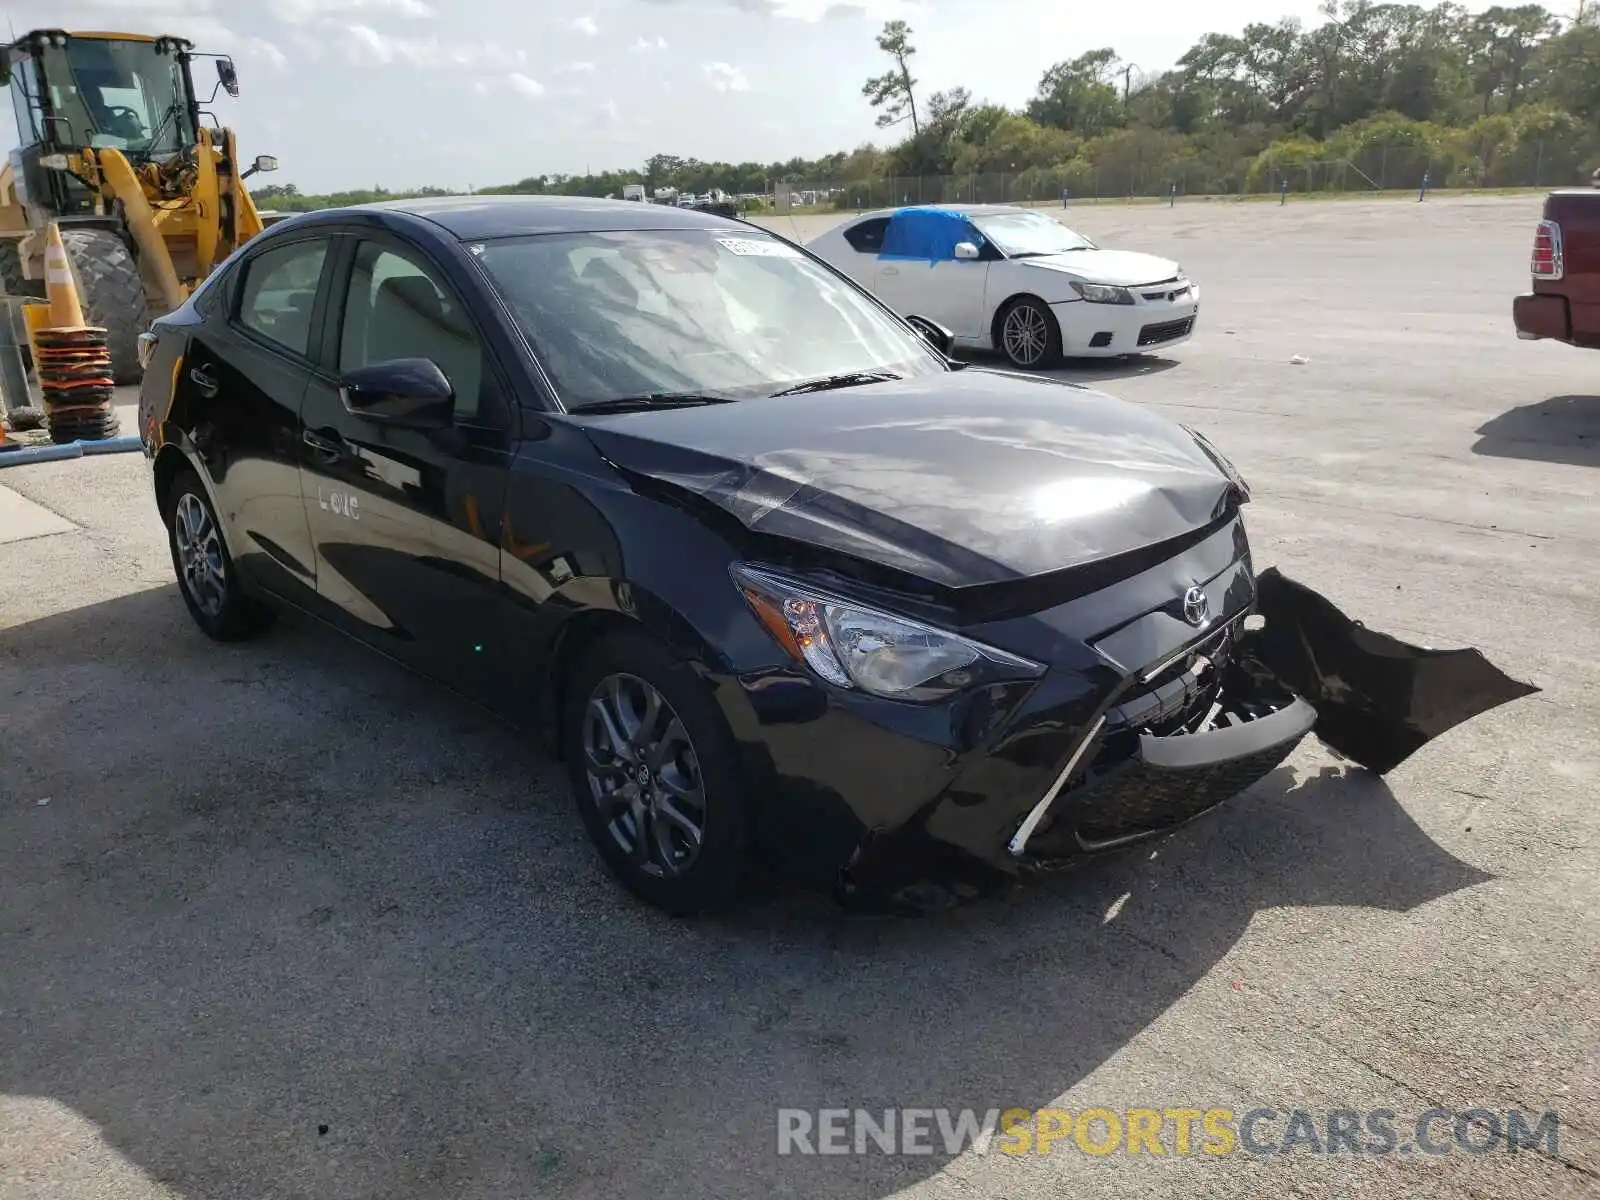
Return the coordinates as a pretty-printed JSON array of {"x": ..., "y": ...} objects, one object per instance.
[{"x": 1564, "y": 305}]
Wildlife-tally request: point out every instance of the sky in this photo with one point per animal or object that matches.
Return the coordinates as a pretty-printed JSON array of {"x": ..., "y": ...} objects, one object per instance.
[{"x": 468, "y": 93}]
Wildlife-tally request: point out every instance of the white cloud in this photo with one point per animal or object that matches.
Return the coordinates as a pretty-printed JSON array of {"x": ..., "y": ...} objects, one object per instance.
[
  {"x": 267, "y": 51},
  {"x": 577, "y": 68},
  {"x": 584, "y": 25},
  {"x": 297, "y": 12},
  {"x": 724, "y": 77},
  {"x": 812, "y": 11},
  {"x": 646, "y": 45},
  {"x": 522, "y": 83},
  {"x": 365, "y": 46}
]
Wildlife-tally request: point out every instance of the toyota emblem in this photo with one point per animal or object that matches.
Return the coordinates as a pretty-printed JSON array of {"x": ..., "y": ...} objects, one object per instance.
[{"x": 1196, "y": 608}]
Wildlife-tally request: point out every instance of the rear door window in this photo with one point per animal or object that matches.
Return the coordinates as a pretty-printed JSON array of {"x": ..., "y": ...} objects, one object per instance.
[{"x": 867, "y": 237}]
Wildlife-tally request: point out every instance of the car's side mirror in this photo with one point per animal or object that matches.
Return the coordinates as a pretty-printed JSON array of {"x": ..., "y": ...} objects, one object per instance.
[
  {"x": 966, "y": 251},
  {"x": 412, "y": 392},
  {"x": 228, "y": 77},
  {"x": 935, "y": 334}
]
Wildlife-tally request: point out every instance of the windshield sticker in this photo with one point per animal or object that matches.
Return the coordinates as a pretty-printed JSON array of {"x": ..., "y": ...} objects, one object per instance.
[{"x": 760, "y": 247}]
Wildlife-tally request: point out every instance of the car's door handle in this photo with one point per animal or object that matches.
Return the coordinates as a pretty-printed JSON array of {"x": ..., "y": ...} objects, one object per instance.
[
  {"x": 890, "y": 271},
  {"x": 334, "y": 447},
  {"x": 203, "y": 380}
]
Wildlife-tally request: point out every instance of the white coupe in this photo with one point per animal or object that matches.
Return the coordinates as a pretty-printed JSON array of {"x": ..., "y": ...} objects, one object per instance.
[{"x": 1015, "y": 280}]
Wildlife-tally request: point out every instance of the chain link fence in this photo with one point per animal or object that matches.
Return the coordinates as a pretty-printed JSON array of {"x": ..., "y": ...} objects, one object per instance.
[{"x": 1372, "y": 168}]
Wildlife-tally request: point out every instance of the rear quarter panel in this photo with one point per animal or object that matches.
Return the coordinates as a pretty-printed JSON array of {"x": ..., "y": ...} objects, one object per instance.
[{"x": 1578, "y": 214}]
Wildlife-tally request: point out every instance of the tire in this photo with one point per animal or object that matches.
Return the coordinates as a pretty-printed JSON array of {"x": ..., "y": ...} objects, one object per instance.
[
  {"x": 1041, "y": 348},
  {"x": 112, "y": 294},
  {"x": 207, "y": 579},
  {"x": 11, "y": 281},
  {"x": 672, "y": 873}
]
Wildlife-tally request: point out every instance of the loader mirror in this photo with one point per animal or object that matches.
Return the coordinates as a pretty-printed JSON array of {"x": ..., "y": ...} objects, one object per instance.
[
  {"x": 228, "y": 77},
  {"x": 264, "y": 162}
]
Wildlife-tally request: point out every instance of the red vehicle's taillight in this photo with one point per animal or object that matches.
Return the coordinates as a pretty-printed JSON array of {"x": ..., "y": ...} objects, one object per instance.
[{"x": 1547, "y": 260}]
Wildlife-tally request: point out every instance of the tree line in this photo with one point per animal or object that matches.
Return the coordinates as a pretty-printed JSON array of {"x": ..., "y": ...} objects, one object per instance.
[{"x": 1377, "y": 94}]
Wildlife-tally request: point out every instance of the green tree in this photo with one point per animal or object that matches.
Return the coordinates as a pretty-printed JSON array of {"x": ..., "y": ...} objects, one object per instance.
[
  {"x": 893, "y": 91},
  {"x": 1078, "y": 95}
]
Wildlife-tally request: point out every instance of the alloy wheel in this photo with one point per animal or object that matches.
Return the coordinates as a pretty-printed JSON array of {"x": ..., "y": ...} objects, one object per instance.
[
  {"x": 200, "y": 562},
  {"x": 644, "y": 775},
  {"x": 1025, "y": 335}
]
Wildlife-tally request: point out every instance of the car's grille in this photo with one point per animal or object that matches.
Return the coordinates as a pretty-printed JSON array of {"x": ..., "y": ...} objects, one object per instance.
[
  {"x": 1120, "y": 795},
  {"x": 1164, "y": 331},
  {"x": 1177, "y": 293},
  {"x": 1141, "y": 798}
]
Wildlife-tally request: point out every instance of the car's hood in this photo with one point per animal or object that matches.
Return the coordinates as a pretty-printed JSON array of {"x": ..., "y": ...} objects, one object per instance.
[
  {"x": 971, "y": 477},
  {"x": 1125, "y": 268}
]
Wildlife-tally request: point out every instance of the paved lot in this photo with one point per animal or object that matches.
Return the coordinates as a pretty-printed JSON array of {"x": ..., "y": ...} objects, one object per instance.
[{"x": 280, "y": 921}]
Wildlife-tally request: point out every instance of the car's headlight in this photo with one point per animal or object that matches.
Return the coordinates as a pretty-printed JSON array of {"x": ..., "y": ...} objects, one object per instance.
[
  {"x": 1224, "y": 464},
  {"x": 1102, "y": 293},
  {"x": 853, "y": 646}
]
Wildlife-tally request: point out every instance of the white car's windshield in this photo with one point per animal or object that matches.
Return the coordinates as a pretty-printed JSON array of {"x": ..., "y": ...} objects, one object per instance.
[
  {"x": 614, "y": 315},
  {"x": 1026, "y": 234}
]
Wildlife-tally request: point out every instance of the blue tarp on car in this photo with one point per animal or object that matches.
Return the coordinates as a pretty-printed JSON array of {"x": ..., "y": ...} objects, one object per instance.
[{"x": 925, "y": 234}]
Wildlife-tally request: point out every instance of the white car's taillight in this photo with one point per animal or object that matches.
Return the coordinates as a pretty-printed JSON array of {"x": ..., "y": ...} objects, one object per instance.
[{"x": 1547, "y": 260}]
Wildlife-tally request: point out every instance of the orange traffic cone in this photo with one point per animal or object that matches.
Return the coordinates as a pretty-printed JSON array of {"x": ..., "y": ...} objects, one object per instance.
[{"x": 66, "y": 312}]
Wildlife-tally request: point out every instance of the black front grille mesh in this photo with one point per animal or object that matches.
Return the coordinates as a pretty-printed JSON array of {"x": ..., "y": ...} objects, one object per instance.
[{"x": 1164, "y": 331}]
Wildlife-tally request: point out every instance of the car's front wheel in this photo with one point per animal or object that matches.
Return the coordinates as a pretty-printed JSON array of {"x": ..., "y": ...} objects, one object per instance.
[
  {"x": 1029, "y": 335},
  {"x": 656, "y": 776},
  {"x": 205, "y": 570}
]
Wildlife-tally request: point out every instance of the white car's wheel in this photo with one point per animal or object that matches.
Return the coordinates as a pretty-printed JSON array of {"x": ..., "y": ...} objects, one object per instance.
[{"x": 1028, "y": 335}]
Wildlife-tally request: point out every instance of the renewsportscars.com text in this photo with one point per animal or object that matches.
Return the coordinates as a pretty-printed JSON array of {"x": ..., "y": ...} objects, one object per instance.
[{"x": 1164, "y": 1131}]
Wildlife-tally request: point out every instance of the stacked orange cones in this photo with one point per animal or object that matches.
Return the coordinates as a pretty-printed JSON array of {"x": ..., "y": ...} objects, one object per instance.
[
  {"x": 74, "y": 369},
  {"x": 72, "y": 359}
]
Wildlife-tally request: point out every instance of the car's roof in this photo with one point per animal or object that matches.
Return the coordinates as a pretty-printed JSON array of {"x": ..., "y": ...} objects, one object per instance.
[
  {"x": 472, "y": 218},
  {"x": 966, "y": 210}
]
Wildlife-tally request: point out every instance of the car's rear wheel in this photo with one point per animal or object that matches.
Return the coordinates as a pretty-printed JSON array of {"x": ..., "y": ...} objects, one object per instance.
[
  {"x": 656, "y": 777},
  {"x": 206, "y": 575},
  {"x": 1029, "y": 335}
]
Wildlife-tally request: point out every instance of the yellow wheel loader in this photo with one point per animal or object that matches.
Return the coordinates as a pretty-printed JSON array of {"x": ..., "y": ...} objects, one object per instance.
[{"x": 117, "y": 148}]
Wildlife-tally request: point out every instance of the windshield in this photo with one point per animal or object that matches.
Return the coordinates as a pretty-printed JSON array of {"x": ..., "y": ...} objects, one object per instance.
[
  {"x": 731, "y": 313},
  {"x": 1025, "y": 233},
  {"x": 118, "y": 95}
]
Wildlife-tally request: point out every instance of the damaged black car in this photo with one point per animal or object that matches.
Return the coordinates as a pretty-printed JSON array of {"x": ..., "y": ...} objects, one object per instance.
[{"x": 790, "y": 591}]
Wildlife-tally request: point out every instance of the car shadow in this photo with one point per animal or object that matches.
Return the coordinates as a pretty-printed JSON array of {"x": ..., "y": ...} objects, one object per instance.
[
  {"x": 1563, "y": 429},
  {"x": 1086, "y": 370},
  {"x": 294, "y": 922}
]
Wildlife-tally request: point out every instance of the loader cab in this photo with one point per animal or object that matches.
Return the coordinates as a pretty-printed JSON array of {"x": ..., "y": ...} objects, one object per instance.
[{"x": 72, "y": 92}]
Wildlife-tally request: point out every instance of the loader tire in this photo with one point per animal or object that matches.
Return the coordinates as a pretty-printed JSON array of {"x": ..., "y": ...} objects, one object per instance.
[
  {"x": 112, "y": 295},
  {"x": 11, "y": 281}
]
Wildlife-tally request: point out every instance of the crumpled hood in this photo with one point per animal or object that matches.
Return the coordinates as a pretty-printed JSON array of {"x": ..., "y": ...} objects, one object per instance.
[
  {"x": 965, "y": 478},
  {"x": 1124, "y": 268}
]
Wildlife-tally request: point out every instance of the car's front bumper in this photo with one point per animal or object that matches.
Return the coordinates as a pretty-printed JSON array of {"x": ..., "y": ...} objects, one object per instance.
[
  {"x": 1107, "y": 330},
  {"x": 915, "y": 806}
]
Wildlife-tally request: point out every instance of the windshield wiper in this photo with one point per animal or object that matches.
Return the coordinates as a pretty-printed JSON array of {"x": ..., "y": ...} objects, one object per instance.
[
  {"x": 829, "y": 382},
  {"x": 652, "y": 400}
]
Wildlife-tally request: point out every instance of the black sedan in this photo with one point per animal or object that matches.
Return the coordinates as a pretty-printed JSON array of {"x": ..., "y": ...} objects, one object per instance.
[{"x": 785, "y": 586}]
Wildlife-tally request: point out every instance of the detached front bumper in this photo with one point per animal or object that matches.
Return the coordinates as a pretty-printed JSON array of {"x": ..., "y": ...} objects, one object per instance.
[{"x": 1161, "y": 751}]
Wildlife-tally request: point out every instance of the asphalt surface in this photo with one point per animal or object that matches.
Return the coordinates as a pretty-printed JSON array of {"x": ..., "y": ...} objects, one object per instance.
[{"x": 280, "y": 920}]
